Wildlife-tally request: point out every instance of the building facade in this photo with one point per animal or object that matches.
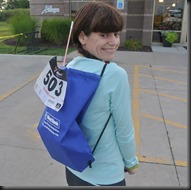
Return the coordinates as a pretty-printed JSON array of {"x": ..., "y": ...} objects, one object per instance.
[{"x": 144, "y": 19}]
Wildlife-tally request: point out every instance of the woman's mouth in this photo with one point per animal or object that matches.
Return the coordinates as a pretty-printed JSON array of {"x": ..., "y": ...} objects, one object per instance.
[{"x": 109, "y": 50}]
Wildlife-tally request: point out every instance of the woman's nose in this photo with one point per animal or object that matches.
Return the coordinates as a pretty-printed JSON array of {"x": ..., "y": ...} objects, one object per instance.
[{"x": 114, "y": 39}]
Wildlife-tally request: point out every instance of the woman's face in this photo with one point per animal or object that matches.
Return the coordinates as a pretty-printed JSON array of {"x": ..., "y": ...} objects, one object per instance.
[{"x": 101, "y": 45}]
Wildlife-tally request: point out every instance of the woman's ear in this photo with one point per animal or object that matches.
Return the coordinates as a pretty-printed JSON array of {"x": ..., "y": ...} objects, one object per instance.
[{"x": 82, "y": 38}]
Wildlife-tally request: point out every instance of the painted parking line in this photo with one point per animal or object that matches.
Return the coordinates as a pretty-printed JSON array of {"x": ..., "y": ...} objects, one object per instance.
[
  {"x": 181, "y": 163},
  {"x": 161, "y": 161},
  {"x": 36, "y": 134},
  {"x": 18, "y": 87},
  {"x": 136, "y": 118},
  {"x": 164, "y": 79},
  {"x": 136, "y": 105},
  {"x": 165, "y": 95},
  {"x": 162, "y": 69},
  {"x": 153, "y": 160},
  {"x": 172, "y": 123}
]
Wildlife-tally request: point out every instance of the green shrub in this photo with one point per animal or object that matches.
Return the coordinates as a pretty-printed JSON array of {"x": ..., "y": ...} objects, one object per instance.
[
  {"x": 45, "y": 35},
  {"x": 5, "y": 15},
  {"x": 55, "y": 30},
  {"x": 133, "y": 44},
  {"x": 22, "y": 22}
]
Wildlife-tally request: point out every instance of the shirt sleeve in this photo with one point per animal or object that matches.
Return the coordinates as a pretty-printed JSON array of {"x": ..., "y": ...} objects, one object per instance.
[{"x": 120, "y": 97}]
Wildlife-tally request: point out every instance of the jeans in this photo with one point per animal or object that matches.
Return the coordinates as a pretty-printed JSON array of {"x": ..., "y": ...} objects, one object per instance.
[{"x": 73, "y": 180}]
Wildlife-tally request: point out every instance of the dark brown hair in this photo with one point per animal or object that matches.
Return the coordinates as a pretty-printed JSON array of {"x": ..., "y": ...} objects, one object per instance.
[{"x": 96, "y": 17}]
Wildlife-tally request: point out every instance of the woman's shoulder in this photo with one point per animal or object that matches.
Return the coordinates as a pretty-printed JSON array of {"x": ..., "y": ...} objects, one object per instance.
[
  {"x": 114, "y": 68},
  {"x": 95, "y": 66}
]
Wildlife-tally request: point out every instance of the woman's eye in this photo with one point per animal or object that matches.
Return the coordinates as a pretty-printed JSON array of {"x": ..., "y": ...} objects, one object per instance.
[
  {"x": 110, "y": 34},
  {"x": 117, "y": 34},
  {"x": 104, "y": 35}
]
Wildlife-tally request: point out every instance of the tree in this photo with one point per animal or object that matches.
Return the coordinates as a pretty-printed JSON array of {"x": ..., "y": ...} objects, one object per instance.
[
  {"x": 2, "y": 4},
  {"x": 15, "y": 4},
  {"x": 24, "y": 3}
]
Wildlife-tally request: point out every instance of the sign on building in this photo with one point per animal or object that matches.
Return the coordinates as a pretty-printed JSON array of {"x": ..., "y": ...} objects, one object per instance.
[{"x": 120, "y": 4}]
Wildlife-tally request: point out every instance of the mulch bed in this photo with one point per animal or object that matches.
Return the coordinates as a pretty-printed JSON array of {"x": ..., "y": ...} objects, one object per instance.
[
  {"x": 144, "y": 49},
  {"x": 13, "y": 42}
]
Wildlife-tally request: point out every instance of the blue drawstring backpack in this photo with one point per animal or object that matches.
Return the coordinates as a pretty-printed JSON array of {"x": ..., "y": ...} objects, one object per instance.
[{"x": 59, "y": 130}]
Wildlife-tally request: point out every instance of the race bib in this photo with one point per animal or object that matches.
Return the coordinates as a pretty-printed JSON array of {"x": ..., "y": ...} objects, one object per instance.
[{"x": 51, "y": 86}]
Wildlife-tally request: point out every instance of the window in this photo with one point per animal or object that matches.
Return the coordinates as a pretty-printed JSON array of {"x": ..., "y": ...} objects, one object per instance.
[{"x": 168, "y": 15}]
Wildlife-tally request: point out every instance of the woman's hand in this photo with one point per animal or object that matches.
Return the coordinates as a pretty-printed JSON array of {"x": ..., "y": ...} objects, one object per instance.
[{"x": 132, "y": 170}]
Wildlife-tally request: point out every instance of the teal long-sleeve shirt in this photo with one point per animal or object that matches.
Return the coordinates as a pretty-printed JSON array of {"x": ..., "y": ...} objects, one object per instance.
[{"x": 117, "y": 148}]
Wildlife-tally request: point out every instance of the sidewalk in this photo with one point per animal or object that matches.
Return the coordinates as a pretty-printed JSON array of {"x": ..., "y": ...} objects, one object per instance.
[{"x": 158, "y": 82}]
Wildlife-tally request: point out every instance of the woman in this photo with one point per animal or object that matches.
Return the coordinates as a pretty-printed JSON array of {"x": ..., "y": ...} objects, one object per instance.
[{"x": 96, "y": 35}]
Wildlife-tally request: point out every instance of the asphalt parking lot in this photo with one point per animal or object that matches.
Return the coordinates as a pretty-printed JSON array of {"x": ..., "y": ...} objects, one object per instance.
[{"x": 159, "y": 87}]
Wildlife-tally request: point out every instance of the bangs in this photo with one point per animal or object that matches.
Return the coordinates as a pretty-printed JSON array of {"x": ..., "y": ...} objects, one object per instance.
[
  {"x": 105, "y": 20},
  {"x": 108, "y": 24}
]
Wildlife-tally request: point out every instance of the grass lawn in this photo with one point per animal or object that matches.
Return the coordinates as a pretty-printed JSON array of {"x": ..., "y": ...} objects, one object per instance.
[{"x": 6, "y": 32}]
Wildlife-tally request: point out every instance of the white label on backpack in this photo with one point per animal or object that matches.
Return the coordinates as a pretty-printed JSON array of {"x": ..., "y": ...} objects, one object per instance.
[{"x": 51, "y": 87}]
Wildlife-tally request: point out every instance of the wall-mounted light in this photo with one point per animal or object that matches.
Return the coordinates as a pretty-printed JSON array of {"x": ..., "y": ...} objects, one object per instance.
[
  {"x": 174, "y": 4},
  {"x": 161, "y": 1}
]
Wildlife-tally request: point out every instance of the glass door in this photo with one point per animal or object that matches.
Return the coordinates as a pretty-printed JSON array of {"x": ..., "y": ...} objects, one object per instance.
[{"x": 168, "y": 15}]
